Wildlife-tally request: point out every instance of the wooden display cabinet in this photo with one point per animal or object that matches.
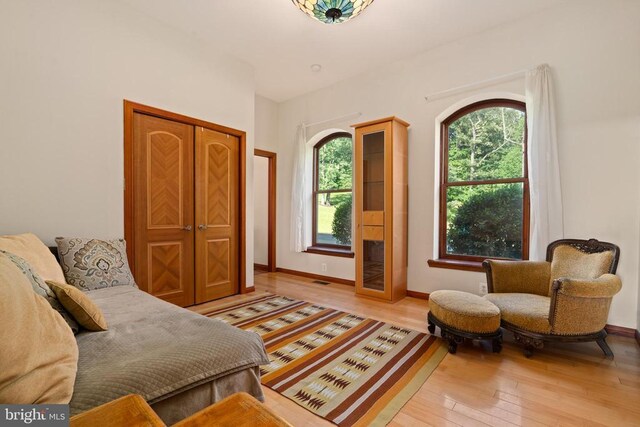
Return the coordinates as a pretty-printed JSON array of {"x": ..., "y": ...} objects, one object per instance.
[{"x": 381, "y": 187}]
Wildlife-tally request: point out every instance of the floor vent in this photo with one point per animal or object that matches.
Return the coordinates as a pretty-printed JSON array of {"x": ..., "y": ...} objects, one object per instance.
[{"x": 320, "y": 282}]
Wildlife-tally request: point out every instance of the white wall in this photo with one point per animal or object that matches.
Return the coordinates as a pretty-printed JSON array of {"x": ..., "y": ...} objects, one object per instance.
[
  {"x": 592, "y": 48},
  {"x": 266, "y": 124},
  {"x": 261, "y": 210},
  {"x": 65, "y": 67},
  {"x": 266, "y": 128}
]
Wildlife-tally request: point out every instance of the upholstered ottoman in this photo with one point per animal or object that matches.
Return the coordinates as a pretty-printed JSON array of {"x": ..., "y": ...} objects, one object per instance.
[{"x": 461, "y": 315}]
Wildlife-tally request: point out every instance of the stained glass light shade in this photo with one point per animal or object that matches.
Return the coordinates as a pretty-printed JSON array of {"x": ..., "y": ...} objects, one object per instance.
[{"x": 332, "y": 11}]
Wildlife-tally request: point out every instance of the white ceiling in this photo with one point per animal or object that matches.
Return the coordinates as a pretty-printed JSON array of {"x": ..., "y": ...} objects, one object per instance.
[{"x": 281, "y": 42}]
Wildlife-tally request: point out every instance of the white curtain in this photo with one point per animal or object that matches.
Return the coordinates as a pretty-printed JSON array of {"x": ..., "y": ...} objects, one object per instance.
[
  {"x": 299, "y": 205},
  {"x": 544, "y": 169}
]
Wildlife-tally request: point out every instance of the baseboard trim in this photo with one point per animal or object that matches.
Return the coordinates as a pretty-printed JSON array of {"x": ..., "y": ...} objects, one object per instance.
[
  {"x": 317, "y": 276},
  {"x": 260, "y": 267},
  {"x": 621, "y": 331},
  {"x": 419, "y": 295}
]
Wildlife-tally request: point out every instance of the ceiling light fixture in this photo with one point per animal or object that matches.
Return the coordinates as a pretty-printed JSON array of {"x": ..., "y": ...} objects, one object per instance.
[
  {"x": 332, "y": 11},
  {"x": 316, "y": 68}
]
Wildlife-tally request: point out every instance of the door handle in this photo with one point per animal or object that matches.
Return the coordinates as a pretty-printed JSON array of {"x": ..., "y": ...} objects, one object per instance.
[
  {"x": 202, "y": 227},
  {"x": 187, "y": 228}
]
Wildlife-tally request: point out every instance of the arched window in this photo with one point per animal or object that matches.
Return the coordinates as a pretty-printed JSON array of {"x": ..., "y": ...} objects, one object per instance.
[
  {"x": 484, "y": 186},
  {"x": 332, "y": 194}
]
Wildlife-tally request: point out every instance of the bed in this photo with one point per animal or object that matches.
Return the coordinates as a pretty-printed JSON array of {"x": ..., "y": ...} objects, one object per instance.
[{"x": 179, "y": 361}]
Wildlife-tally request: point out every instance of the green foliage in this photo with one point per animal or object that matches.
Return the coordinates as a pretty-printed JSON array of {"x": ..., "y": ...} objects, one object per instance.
[
  {"x": 337, "y": 199},
  {"x": 488, "y": 223},
  {"x": 335, "y": 164},
  {"x": 341, "y": 226},
  {"x": 487, "y": 144},
  {"x": 335, "y": 170}
]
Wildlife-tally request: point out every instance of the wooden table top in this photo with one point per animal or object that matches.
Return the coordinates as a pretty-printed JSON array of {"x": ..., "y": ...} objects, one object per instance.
[
  {"x": 237, "y": 410},
  {"x": 131, "y": 411}
]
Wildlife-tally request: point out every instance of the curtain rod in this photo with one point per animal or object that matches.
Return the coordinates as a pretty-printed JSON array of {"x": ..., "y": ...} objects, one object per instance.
[
  {"x": 332, "y": 120},
  {"x": 477, "y": 85}
]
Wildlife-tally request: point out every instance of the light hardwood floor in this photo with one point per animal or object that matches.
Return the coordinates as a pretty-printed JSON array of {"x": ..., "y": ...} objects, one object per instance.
[{"x": 564, "y": 384}]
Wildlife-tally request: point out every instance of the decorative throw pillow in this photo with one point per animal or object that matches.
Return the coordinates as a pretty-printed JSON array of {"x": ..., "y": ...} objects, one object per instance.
[
  {"x": 85, "y": 311},
  {"x": 94, "y": 264},
  {"x": 573, "y": 263},
  {"x": 28, "y": 247},
  {"x": 38, "y": 353},
  {"x": 40, "y": 287}
]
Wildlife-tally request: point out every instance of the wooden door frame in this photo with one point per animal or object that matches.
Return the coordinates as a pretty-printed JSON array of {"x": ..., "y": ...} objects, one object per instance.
[
  {"x": 130, "y": 108},
  {"x": 271, "y": 238}
]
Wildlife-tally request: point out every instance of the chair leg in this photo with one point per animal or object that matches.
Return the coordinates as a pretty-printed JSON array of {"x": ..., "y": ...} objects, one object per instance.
[
  {"x": 528, "y": 351},
  {"x": 529, "y": 343},
  {"x": 605, "y": 347}
]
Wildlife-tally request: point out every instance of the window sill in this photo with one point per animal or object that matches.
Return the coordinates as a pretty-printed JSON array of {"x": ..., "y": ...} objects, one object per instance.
[
  {"x": 456, "y": 264},
  {"x": 343, "y": 253}
]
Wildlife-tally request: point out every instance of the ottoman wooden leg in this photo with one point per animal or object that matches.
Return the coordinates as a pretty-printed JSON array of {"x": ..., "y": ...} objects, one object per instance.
[
  {"x": 496, "y": 344},
  {"x": 453, "y": 340},
  {"x": 431, "y": 327}
]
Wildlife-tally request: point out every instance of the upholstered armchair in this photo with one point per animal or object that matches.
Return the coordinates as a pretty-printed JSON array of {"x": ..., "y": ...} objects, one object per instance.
[{"x": 565, "y": 298}]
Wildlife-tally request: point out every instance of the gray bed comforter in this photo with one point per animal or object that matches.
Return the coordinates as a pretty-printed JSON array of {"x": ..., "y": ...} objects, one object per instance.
[{"x": 155, "y": 349}]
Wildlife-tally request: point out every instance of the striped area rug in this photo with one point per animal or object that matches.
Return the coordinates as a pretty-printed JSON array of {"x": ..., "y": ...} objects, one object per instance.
[{"x": 345, "y": 368}]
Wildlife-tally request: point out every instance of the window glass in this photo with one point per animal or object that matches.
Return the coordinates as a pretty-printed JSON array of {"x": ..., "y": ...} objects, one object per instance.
[
  {"x": 487, "y": 144},
  {"x": 332, "y": 196},
  {"x": 485, "y": 220},
  {"x": 333, "y": 219},
  {"x": 484, "y": 184},
  {"x": 335, "y": 165}
]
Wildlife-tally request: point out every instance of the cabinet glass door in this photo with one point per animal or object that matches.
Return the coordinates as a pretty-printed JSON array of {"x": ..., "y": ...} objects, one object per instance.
[{"x": 373, "y": 211}]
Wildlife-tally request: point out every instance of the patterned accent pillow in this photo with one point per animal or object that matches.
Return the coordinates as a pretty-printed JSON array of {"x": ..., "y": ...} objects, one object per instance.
[
  {"x": 41, "y": 288},
  {"x": 90, "y": 264}
]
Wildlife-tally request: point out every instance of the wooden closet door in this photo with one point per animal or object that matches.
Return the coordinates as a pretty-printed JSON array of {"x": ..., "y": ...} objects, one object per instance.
[
  {"x": 164, "y": 208},
  {"x": 217, "y": 208}
]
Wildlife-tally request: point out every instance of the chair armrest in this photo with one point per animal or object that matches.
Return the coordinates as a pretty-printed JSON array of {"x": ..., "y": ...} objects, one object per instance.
[
  {"x": 581, "y": 306},
  {"x": 518, "y": 276},
  {"x": 605, "y": 286}
]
